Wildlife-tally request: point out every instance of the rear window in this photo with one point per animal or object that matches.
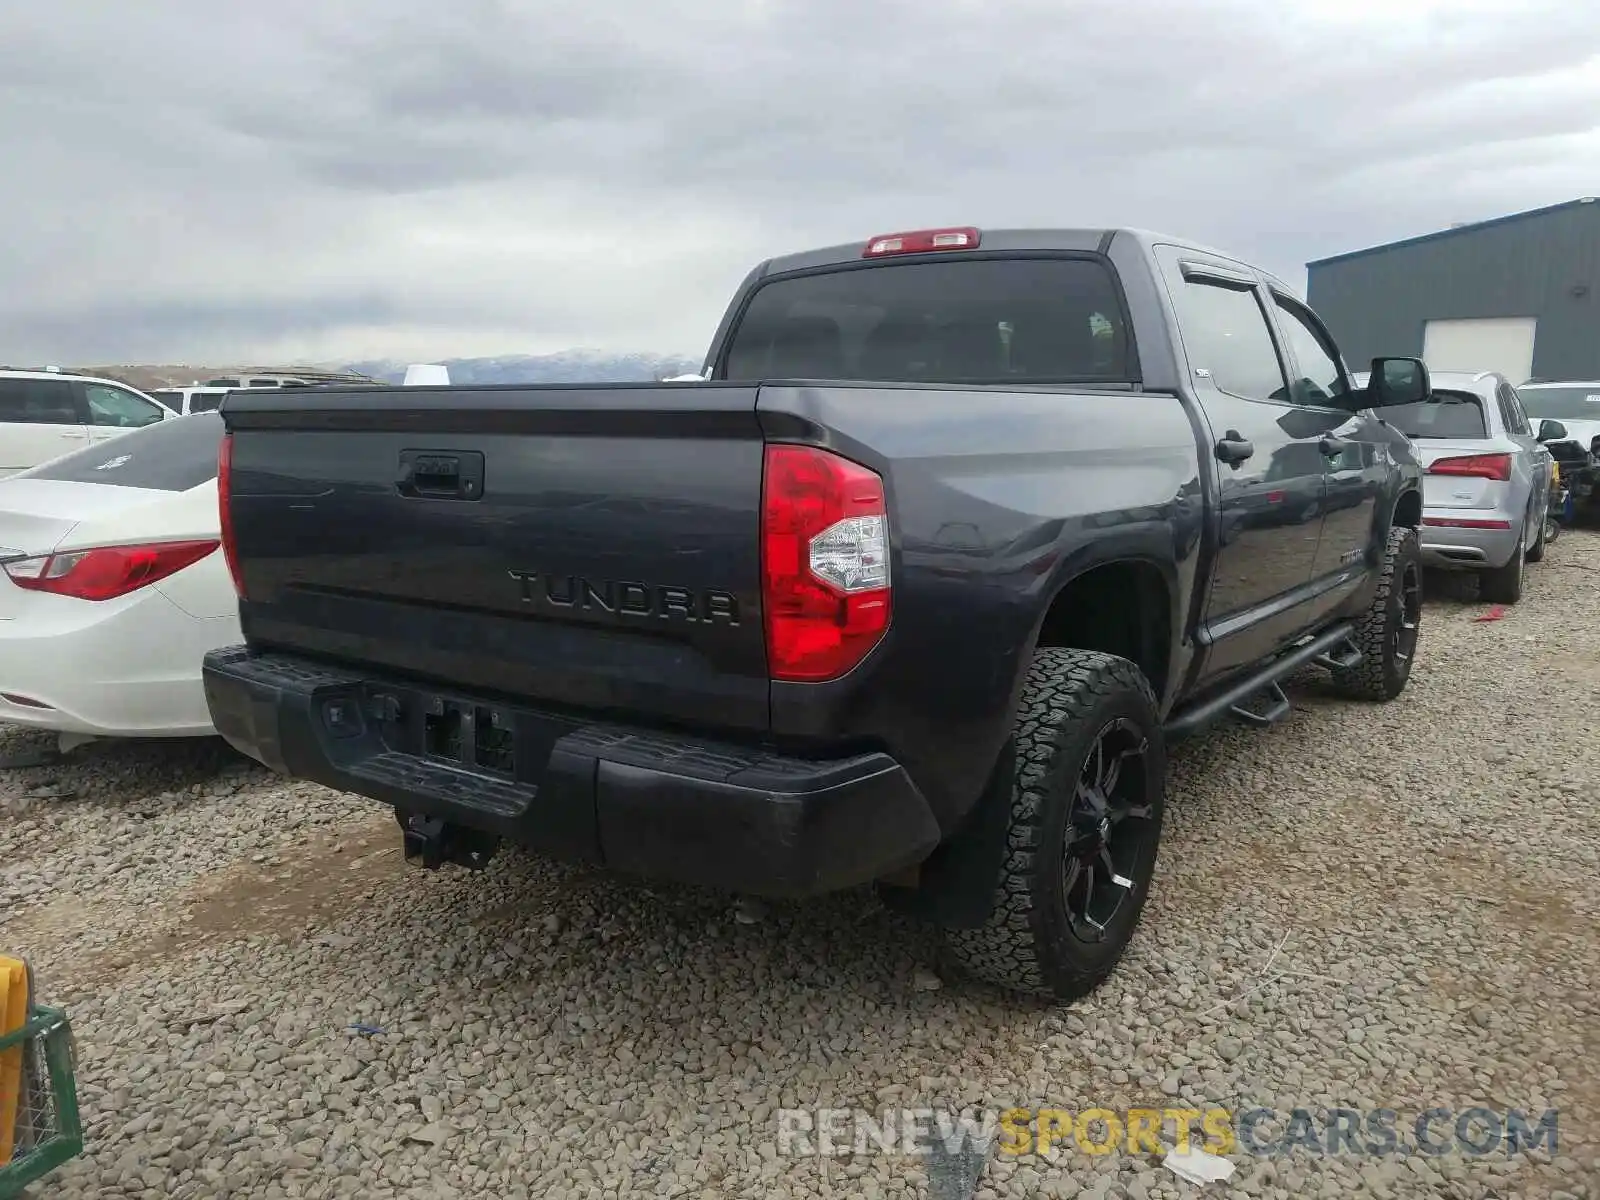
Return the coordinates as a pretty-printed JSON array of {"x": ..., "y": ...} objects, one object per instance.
[
  {"x": 961, "y": 321},
  {"x": 202, "y": 402},
  {"x": 172, "y": 456},
  {"x": 38, "y": 402},
  {"x": 1445, "y": 414}
]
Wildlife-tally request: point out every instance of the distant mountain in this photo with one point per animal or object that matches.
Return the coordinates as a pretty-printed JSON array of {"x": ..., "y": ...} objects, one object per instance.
[{"x": 567, "y": 366}]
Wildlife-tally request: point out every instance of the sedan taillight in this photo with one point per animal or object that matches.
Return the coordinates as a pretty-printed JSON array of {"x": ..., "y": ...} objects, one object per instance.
[{"x": 105, "y": 572}]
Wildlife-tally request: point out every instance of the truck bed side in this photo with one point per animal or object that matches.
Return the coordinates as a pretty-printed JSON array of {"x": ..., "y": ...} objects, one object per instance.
[{"x": 997, "y": 497}]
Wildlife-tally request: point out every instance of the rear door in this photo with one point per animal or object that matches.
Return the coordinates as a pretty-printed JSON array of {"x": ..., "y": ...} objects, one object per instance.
[
  {"x": 40, "y": 419},
  {"x": 115, "y": 410},
  {"x": 1270, "y": 501}
]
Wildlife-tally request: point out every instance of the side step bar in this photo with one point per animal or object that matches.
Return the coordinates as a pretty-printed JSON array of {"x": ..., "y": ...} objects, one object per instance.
[
  {"x": 1277, "y": 709},
  {"x": 1330, "y": 648},
  {"x": 1340, "y": 658}
]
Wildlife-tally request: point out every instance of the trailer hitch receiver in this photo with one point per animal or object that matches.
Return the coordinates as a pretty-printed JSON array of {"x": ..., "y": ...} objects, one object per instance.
[{"x": 430, "y": 842}]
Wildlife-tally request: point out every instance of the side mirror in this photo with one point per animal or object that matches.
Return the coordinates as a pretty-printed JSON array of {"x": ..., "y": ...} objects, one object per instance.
[
  {"x": 1552, "y": 431},
  {"x": 1398, "y": 381}
]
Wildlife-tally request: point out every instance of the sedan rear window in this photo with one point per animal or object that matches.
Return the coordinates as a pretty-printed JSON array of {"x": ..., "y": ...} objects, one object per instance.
[
  {"x": 172, "y": 456},
  {"x": 959, "y": 321},
  {"x": 1445, "y": 414}
]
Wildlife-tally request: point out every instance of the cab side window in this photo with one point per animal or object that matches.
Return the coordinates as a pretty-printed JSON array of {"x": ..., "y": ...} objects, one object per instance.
[
  {"x": 1320, "y": 381},
  {"x": 1225, "y": 333}
]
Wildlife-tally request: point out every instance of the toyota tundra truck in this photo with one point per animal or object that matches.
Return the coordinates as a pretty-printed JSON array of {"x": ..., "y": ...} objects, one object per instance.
[{"x": 957, "y": 532}]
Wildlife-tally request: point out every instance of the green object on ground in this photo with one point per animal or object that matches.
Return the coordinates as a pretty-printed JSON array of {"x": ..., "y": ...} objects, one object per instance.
[{"x": 49, "y": 1131}]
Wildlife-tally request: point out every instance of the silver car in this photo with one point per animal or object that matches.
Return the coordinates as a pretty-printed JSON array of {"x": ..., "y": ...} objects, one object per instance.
[{"x": 1486, "y": 482}]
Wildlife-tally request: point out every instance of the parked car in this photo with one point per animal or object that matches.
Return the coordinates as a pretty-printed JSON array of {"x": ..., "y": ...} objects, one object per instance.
[
  {"x": 1486, "y": 495},
  {"x": 45, "y": 414},
  {"x": 964, "y": 529},
  {"x": 1567, "y": 415},
  {"x": 188, "y": 400},
  {"x": 111, "y": 587}
]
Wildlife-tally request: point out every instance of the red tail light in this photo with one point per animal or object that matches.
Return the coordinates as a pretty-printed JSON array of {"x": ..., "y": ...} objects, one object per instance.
[
  {"x": 230, "y": 550},
  {"x": 1481, "y": 466},
  {"x": 106, "y": 572},
  {"x": 824, "y": 563},
  {"x": 922, "y": 241}
]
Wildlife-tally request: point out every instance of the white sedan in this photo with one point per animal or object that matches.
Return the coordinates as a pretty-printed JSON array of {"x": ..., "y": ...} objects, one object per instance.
[{"x": 113, "y": 586}]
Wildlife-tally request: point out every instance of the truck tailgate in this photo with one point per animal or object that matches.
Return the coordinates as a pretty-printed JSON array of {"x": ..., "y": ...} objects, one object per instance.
[{"x": 584, "y": 548}]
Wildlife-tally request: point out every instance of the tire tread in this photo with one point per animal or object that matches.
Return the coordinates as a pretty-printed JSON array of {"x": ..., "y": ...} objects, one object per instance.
[
  {"x": 1063, "y": 687},
  {"x": 1369, "y": 679}
]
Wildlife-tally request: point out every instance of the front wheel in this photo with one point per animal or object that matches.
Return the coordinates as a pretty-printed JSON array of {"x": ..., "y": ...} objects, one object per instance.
[
  {"x": 1386, "y": 634},
  {"x": 1086, "y": 801}
]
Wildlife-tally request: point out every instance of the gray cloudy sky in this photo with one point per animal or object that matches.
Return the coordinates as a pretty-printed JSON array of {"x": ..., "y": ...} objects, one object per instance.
[{"x": 188, "y": 180}]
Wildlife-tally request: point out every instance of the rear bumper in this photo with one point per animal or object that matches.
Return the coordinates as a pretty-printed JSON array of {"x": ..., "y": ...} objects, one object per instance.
[
  {"x": 664, "y": 805},
  {"x": 114, "y": 668},
  {"x": 1465, "y": 548}
]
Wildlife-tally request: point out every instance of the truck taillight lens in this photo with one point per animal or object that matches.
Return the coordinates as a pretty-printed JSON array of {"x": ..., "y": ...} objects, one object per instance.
[
  {"x": 106, "y": 572},
  {"x": 230, "y": 550},
  {"x": 1480, "y": 466},
  {"x": 824, "y": 563}
]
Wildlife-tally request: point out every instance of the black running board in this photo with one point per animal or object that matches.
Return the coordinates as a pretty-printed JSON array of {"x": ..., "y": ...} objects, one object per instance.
[{"x": 1324, "y": 646}]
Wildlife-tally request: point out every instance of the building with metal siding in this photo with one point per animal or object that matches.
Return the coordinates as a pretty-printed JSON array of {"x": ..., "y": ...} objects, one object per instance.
[{"x": 1514, "y": 295}]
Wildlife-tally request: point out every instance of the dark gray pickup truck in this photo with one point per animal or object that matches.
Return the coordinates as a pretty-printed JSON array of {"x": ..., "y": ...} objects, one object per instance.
[{"x": 961, "y": 531}]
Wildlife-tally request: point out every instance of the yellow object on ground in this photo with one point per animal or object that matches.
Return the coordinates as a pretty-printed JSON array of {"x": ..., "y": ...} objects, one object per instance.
[{"x": 13, "y": 1016}]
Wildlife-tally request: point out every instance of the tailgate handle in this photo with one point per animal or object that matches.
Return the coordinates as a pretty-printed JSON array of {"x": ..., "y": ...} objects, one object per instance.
[{"x": 441, "y": 474}]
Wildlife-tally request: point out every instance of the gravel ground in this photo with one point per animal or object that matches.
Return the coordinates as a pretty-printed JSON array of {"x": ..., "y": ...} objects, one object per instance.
[{"x": 1408, "y": 927}]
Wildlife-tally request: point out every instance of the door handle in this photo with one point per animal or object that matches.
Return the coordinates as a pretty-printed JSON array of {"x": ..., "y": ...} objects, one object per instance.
[
  {"x": 1332, "y": 447},
  {"x": 441, "y": 474},
  {"x": 1233, "y": 449},
  {"x": 76, "y": 435}
]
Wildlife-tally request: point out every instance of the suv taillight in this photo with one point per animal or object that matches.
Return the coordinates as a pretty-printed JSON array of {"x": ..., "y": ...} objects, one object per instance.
[
  {"x": 1479, "y": 466},
  {"x": 230, "y": 550},
  {"x": 824, "y": 563}
]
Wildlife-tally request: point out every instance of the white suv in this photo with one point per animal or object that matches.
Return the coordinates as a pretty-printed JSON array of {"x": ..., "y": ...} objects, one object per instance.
[
  {"x": 45, "y": 414},
  {"x": 194, "y": 399}
]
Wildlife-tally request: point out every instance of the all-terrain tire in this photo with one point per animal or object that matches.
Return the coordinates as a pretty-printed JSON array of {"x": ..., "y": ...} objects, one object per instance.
[
  {"x": 1386, "y": 656},
  {"x": 1028, "y": 943}
]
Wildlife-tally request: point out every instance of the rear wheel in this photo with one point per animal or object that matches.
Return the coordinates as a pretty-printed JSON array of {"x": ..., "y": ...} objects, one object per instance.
[
  {"x": 1503, "y": 585},
  {"x": 1536, "y": 551},
  {"x": 1086, "y": 804}
]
